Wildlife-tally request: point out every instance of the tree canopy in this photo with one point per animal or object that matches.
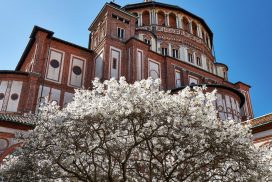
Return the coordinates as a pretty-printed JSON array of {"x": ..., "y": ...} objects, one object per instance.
[{"x": 136, "y": 132}]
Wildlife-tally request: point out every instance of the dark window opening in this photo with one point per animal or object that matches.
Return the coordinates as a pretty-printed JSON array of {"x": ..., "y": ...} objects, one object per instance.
[
  {"x": 120, "y": 33},
  {"x": 2, "y": 95},
  {"x": 175, "y": 53},
  {"x": 114, "y": 16},
  {"x": 114, "y": 63},
  {"x": 147, "y": 41},
  {"x": 190, "y": 58},
  {"x": 164, "y": 51},
  {"x": 198, "y": 61}
]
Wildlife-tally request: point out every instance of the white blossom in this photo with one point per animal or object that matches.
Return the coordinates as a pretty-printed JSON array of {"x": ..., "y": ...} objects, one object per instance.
[{"x": 136, "y": 132}]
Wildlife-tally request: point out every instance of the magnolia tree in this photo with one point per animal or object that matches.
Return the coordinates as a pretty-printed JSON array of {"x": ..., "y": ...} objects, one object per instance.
[{"x": 136, "y": 132}]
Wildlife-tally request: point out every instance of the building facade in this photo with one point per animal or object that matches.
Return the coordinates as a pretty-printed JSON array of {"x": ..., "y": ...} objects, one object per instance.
[
  {"x": 148, "y": 39},
  {"x": 262, "y": 130}
]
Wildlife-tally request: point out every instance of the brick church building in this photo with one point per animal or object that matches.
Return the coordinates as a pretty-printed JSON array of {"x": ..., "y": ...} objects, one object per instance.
[{"x": 147, "y": 39}]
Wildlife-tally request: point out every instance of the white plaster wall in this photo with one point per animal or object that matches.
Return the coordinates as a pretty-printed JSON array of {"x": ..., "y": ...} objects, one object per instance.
[
  {"x": 54, "y": 74},
  {"x": 76, "y": 80},
  {"x": 55, "y": 95},
  {"x": 117, "y": 55},
  {"x": 68, "y": 97},
  {"x": 99, "y": 66},
  {"x": 15, "y": 89},
  {"x": 154, "y": 70},
  {"x": 139, "y": 64},
  {"x": 3, "y": 88}
]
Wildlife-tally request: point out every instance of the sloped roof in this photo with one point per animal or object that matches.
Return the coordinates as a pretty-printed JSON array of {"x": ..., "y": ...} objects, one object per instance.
[
  {"x": 17, "y": 119},
  {"x": 260, "y": 121},
  {"x": 32, "y": 40}
]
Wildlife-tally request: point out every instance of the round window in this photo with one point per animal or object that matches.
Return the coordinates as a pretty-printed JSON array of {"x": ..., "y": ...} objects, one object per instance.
[
  {"x": 14, "y": 96},
  {"x": 54, "y": 63},
  {"x": 3, "y": 144},
  {"x": 77, "y": 70},
  {"x": 2, "y": 95}
]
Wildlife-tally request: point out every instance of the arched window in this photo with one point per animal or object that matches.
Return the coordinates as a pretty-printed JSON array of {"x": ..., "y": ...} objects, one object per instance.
[
  {"x": 172, "y": 20},
  {"x": 137, "y": 20},
  {"x": 146, "y": 18},
  {"x": 194, "y": 27},
  {"x": 185, "y": 24},
  {"x": 161, "y": 18}
]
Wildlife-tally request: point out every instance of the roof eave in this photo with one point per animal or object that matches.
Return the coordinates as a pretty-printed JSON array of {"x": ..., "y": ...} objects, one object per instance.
[{"x": 30, "y": 44}]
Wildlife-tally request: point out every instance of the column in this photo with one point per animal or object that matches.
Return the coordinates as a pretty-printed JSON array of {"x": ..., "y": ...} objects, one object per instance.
[
  {"x": 156, "y": 17},
  {"x": 170, "y": 50},
  {"x": 167, "y": 19},
  {"x": 186, "y": 55},
  {"x": 199, "y": 31},
  {"x": 140, "y": 19},
  {"x": 181, "y": 53},
  {"x": 181, "y": 22},
  {"x": 177, "y": 21},
  {"x": 150, "y": 17},
  {"x": 191, "y": 27}
]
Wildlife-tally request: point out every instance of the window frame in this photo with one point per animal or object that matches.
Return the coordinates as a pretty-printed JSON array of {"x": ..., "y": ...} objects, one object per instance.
[
  {"x": 175, "y": 53},
  {"x": 198, "y": 61},
  {"x": 164, "y": 51},
  {"x": 120, "y": 33},
  {"x": 190, "y": 57}
]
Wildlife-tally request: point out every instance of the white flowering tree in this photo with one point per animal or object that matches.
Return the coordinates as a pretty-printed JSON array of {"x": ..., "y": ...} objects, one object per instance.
[{"x": 135, "y": 132}]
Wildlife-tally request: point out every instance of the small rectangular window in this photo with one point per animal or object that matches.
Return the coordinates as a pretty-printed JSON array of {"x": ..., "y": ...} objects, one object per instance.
[
  {"x": 225, "y": 75},
  {"x": 164, "y": 51},
  {"x": 121, "y": 19},
  {"x": 175, "y": 53},
  {"x": 120, "y": 33},
  {"x": 198, "y": 61},
  {"x": 147, "y": 41},
  {"x": 114, "y": 16},
  {"x": 178, "y": 78},
  {"x": 114, "y": 63},
  {"x": 190, "y": 57},
  {"x": 208, "y": 66}
]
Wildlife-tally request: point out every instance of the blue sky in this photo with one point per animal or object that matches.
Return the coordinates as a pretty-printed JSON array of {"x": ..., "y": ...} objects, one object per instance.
[{"x": 242, "y": 34}]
